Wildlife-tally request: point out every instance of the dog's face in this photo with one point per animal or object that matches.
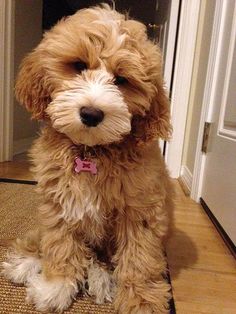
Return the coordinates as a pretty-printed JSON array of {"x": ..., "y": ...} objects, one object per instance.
[{"x": 97, "y": 77}]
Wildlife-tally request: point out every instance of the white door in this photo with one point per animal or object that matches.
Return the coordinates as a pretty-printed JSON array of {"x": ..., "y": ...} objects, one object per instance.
[{"x": 219, "y": 178}]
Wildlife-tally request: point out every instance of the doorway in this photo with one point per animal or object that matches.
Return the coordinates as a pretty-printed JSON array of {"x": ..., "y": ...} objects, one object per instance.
[{"x": 27, "y": 34}]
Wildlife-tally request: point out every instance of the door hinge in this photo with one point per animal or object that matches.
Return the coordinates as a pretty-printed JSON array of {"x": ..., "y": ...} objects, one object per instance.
[{"x": 205, "y": 139}]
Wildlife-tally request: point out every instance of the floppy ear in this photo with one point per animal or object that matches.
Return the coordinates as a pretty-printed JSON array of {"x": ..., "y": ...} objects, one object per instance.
[
  {"x": 156, "y": 123},
  {"x": 136, "y": 29},
  {"x": 31, "y": 85}
]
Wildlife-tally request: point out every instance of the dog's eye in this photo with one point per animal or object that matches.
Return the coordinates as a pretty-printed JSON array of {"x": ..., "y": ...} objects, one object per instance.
[
  {"x": 120, "y": 80},
  {"x": 79, "y": 66}
]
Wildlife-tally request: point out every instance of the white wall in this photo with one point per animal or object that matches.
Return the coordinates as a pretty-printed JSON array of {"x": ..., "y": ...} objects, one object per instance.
[{"x": 28, "y": 33}]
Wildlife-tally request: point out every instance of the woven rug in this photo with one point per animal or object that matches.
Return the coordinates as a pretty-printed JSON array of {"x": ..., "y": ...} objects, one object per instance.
[{"x": 18, "y": 204}]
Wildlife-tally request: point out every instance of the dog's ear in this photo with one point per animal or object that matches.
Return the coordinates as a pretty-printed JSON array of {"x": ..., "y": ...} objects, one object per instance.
[
  {"x": 31, "y": 85},
  {"x": 156, "y": 123},
  {"x": 136, "y": 29}
]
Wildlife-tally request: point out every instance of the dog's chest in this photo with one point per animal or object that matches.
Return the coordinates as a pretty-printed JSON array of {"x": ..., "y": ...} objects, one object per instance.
[
  {"x": 91, "y": 195},
  {"x": 119, "y": 182}
]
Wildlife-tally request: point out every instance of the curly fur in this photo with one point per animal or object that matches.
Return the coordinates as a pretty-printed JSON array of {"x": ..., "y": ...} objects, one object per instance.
[{"x": 119, "y": 217}]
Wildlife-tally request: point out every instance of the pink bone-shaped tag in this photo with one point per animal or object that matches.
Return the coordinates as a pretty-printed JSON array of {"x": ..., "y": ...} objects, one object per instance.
[{"x": 85, "y": 165}]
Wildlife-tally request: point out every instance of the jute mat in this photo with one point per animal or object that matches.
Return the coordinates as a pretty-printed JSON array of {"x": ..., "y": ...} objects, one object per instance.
[{"x": 18, "y": 204}]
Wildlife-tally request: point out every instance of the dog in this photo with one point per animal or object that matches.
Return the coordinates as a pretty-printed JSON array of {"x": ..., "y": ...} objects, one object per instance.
[{"x": 96, "y": 82}]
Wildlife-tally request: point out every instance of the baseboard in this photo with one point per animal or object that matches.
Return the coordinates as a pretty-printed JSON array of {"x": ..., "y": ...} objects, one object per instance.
[
  {"x": 219, "y": 228},
  {"x": 7, "y": 180},
  {"x": 186, "y": 179},
  {"x": 22, "y": 145}
]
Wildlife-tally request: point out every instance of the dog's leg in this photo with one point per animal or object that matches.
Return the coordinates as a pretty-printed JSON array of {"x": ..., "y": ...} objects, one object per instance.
[
  {"x": 140, "y": 268},
  {"x": 23, "y": 259},
  {"x": 64, "y": 263}
]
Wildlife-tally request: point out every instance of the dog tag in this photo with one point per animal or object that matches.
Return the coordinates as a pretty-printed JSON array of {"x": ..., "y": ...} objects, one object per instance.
[{"x": 85, "y": 165}]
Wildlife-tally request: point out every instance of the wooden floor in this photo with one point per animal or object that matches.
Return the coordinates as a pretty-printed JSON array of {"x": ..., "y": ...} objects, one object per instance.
[{"x": 203, "y": 271}]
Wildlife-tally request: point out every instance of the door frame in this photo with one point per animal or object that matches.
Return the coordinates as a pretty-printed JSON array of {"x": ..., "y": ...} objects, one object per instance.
[
  {"x": 181, "y": 86},
  {"x": 208, "y": 96},
  {"x": 7, "y": 10},
  {"x": 171, "y": 38}
]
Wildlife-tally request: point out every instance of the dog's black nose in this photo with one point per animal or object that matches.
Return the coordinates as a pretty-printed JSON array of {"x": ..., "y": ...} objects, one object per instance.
[{"x": 91, "y": 116}]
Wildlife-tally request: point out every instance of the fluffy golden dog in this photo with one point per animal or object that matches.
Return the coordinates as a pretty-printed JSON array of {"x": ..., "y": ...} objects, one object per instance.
[{"x": 96, "y": 81}]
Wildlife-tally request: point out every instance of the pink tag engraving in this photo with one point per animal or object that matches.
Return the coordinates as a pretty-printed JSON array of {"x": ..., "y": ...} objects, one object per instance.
[{"x": 85, "y": 165}]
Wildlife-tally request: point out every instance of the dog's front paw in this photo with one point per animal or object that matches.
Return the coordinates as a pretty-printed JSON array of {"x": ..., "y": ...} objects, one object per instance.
[
  {"x": 54, "y": 295},
  {"x": 101, "y": 284},
  {"x": 143, "y": 298},
  {"x": 19, "y": 268}
]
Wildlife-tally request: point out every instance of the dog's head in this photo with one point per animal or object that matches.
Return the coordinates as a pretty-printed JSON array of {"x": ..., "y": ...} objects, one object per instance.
[{"x": 97, "y": 78}]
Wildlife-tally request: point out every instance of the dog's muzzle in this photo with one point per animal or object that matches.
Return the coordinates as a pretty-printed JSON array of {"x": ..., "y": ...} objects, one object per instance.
[{"x": 91, "y": 116}]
